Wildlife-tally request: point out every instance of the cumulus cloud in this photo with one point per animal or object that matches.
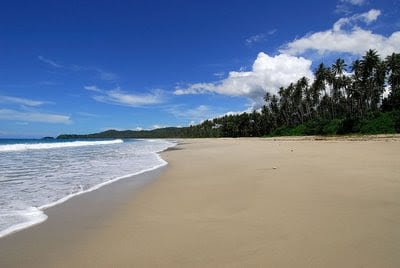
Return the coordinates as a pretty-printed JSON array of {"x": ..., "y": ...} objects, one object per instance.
[
  {"x": 267, "y": 75},
  {"x": 120, "y": 97},
  {"x": 21, "y": 101},
  {"x": 13, "y": 115},
  {"x": 339, "y": 39}
]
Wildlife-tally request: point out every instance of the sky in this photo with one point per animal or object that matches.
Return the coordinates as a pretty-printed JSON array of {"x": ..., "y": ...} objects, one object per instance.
[{"x": 88, "y": 66}]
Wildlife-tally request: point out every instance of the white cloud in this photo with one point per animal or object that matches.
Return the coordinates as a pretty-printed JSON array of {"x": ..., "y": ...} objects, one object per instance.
[
  {"x": 119, "y": 97},
  {"x": 199, "y": 113},
  {"x": 255, "y": 39},
  {"x": 267, "y": 75},
  {"x": 354, "y": 41},
  {"x": 248, "y": 110},
  {"x": 8, "y": 114},
  {"x": 366, "y": 17},
  {"x": 219, "y": 74},
  {"x": 157, "y": 126},
  {"x": 354, "y": 2},
  {"x": 93, "y": 88},
  {"x": 86, "y": 114},
  {"x": 50, "y": 62},
  {"x": 273, "y": 31},
  {"x": 371, "y": 15},
  {"x": 21, "y": 101},
  {"x": 346, "y": 6}
]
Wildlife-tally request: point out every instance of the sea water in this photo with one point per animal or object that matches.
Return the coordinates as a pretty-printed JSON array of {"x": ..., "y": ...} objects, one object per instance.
[{"x": 37, "y": 174}]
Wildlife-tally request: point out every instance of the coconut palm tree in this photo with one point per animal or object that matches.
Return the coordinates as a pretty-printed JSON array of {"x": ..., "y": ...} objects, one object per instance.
[
  {"x": 338, "y": 69},
  {"x": 393, "y": 69},
  {"x": 370, "y": 66}
]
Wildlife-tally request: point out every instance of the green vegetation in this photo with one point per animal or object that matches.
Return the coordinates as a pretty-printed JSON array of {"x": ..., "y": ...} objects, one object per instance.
[{"x": 335, "y": 103}]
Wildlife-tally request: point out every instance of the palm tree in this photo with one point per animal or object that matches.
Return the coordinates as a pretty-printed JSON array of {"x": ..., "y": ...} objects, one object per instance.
[
  {"x": 338, "y": 69},
  {"x": 267, "y": 97},
  {"x": 284, "y": 103},
  {"x": 299, "y": 91},
  {"x": 274, "y": 107},
  {"x": 393, "y": 69},
  {"x": 338, "y": 81},
  {"x": 369, "y": 64},
  {"x": 379, "y": 84},
  {"x": 356, "y": 89},
  {"x": 319, "y": 85}
]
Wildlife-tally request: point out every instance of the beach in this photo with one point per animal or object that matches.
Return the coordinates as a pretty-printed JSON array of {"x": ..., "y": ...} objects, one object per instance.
[{"x": 246, "y": 202}]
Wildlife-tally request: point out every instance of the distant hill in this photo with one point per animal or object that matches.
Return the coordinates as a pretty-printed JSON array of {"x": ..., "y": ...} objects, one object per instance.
[{"x": 169, "y": 132}]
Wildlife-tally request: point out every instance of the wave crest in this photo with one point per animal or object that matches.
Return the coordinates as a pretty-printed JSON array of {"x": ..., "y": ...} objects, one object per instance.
[{"x": 53, "y": 145}]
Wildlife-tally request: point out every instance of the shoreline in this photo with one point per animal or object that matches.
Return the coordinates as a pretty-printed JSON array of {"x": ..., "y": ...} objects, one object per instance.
[
  {"x": 43, "y": 209},
  {"x": 76, "y": 216},
  {"x": 233, "y": 202},
  {"x": 42, "y": 216}
]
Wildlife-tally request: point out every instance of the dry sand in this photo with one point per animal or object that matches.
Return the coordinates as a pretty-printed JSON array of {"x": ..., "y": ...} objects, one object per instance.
[{"x": 237, "y": 203}]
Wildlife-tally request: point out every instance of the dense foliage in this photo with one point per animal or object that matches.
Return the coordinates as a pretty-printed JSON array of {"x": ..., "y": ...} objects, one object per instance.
[{"x": 336, "y": 102}]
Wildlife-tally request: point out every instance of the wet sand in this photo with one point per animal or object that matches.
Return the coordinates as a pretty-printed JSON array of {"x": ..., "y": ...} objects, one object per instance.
[{"x": 295, "y": 202}]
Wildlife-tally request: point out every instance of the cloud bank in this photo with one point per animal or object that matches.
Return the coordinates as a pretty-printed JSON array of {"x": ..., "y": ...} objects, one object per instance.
[{"x": 267, "y": 75}]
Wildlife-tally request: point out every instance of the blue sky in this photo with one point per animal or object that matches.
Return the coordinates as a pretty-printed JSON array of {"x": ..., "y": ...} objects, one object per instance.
[{"x": 87, "y": 66}]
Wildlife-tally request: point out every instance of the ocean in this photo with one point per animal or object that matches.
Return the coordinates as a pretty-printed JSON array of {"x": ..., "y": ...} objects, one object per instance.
[{"x": 37, "y": 174}]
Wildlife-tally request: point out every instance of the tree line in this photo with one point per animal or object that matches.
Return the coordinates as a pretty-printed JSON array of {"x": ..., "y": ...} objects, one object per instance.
[{"x": 363, "y": 97}]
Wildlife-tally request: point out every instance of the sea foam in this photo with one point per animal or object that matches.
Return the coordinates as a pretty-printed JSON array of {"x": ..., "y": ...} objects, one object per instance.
[
  {"x": 47, "y": 174},
  {"x": 53, "y": 145}
]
